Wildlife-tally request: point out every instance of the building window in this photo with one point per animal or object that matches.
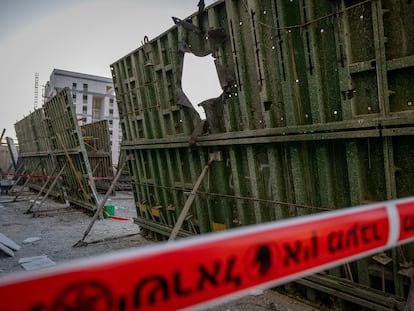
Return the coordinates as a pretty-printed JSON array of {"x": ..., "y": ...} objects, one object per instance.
[
  {"x": 110, "y": 122},
  {"x": 111, "y": 112},
  {"x": 110, "y": 133},
  {"x": 74, "y": 85},
  {"x": 111, "y": 100},
  {"x": 84, "y": 109},
  {"x": 85, "y": 98},
  {"x": 74, "y": 96},
  {"x": 85, "y": 87}
]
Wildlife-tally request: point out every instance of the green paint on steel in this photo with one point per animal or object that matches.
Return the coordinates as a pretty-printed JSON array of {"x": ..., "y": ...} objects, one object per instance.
[{"x": 316, "y": 114}]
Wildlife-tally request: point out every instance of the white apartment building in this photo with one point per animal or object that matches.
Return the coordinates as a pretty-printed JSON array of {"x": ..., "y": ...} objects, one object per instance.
[{"x": 94, "y": 99}]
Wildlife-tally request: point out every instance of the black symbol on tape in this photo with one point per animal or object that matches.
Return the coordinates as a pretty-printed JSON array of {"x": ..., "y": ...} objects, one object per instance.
[
  {"x": 263, "y": 259},
  {"x": 85, "y": 296}
]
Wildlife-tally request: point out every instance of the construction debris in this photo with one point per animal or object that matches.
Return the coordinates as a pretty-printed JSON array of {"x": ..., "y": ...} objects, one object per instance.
[
  {"x": 7, "y": 245},
  {"x": 31, "y": 240},
  {"x": 36, "y": 262},
  {"x": 6, "y": 250}
]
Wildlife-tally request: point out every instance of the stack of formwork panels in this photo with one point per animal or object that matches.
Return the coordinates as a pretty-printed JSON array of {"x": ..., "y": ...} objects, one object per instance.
[
  {"x": 316, "y": 114},
  {"x": 50, "y": 143}
]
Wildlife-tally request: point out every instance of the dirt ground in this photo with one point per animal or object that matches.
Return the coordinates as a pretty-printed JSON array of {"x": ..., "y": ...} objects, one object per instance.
[{"x": 59, "y": 227}]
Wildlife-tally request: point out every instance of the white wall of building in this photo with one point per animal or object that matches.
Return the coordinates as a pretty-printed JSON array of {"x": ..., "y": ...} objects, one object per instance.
[{"x": 94, "y": 100}]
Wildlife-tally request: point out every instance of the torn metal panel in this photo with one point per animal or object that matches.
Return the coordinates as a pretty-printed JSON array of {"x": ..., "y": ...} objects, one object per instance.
[{"x": 316, "y": 113}]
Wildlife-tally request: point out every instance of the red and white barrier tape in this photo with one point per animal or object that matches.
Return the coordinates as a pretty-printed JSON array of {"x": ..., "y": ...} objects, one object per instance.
[
  {"x": 46, "y": 176},
  {"x": 194, "y": 271},
  {"x": 27, "y": 175}
]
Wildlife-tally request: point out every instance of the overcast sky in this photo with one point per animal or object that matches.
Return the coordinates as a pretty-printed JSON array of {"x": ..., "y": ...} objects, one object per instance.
[{"x": 77, "y": 35}]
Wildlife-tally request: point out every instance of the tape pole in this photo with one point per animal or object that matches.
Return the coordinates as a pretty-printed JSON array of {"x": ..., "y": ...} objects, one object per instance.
[{"x": 195, "y": 271}]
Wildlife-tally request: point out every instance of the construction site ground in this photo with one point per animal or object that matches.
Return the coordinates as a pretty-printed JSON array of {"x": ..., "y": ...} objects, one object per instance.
[{"x": 55, "y": 228}]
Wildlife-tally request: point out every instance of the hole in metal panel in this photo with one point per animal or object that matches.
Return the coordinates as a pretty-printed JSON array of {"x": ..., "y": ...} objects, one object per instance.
[{"x": 200, "y": 80}]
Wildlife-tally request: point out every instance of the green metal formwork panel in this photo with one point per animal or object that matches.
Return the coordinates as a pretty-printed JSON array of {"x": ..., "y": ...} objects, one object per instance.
[
  {"x": 97, "y": 144},
  {"x": 34, "y": 147},
  {"x": 316, "y": 114},
  {"x": 69, "y": 150}
]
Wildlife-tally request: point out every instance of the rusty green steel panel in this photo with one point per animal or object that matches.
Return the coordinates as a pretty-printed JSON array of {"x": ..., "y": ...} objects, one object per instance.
[
  {"x": 69, "y": 149},
  {"x": 316, "y": 114}
]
